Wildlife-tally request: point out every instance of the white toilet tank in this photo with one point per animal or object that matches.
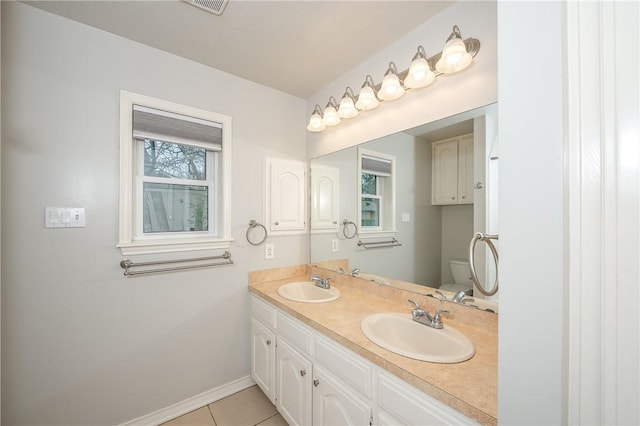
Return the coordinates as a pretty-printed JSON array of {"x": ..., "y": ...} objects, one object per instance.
[{"x": 460, "y": 271}]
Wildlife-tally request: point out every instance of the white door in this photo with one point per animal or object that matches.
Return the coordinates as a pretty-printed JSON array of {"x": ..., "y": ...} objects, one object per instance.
[
  {"x": 325, "y": 196},
  {"x": 285, "y": 195},
  {"x": 465, "y": 170},
  {"x": 293, "y": 385},
  {"x": 263, "y": 363},
  {"x": 334, "y": 404},
  {"x": 445, "y": 172}
]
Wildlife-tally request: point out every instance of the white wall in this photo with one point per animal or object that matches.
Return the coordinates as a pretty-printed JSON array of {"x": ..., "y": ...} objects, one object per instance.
[
  {"x": 457, "y": 229},
  {"x": 533, "y": 305},
  {"x": 81, "y": 344}
]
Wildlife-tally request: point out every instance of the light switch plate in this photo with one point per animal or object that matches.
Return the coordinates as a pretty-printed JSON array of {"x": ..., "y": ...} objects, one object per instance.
[
  {"x": 64, "y": 217},
  {"x": 406, "y": 217},
  {"x": 334, "y": 246}
]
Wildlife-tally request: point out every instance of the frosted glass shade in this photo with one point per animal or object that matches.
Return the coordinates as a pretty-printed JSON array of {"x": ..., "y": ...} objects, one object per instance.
[
  {"x": 391, "y": 88},
  {"x": 315, "y": 123},
  {"x": 331, "y": 116},
  {"x": 454, "y": 57},
  {"x": 367, "y": 99},
  {"x": 347, "y": 108},
  {"x": 420, "y": 75}
]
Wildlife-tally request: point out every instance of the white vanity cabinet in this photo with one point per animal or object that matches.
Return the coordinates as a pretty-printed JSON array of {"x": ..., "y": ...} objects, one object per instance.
[
  {"x": 285, "y": 196},
  {"x": 320, "y": 382},
  {"x": 452, "y": 171}
]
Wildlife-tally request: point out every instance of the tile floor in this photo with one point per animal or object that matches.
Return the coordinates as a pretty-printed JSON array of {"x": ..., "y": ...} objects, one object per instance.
[{"x": 249, "y": 407}]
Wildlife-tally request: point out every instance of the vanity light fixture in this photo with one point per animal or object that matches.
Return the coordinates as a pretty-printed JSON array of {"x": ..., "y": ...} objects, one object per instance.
[
  {"x": 348, "y": 105},
  {"x": 391, "y": 88},
  {"x": 456, "y": 56},
  {"x": 367, "y": 99},
  {"x": 331, "y": 113},
  {"x": 420, "y": 73},
  {"x": 315, "y": 122}
]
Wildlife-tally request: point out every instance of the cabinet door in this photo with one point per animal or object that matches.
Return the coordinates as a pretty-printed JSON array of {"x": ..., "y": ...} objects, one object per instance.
[
  {"x": 263, "y": 364},
  {"x": 334, "y": 404},
  {"x": 285, "y": 204},
  {"x": 325, "y": 196},
  {"x": 293, "y": 385},
  {"x": 465, "y": 170},
  {"x": 444, "y": 183}
]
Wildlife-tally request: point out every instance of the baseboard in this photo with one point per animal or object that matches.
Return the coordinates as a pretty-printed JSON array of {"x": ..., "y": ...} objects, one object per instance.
[{"x": 193, "y": 403}]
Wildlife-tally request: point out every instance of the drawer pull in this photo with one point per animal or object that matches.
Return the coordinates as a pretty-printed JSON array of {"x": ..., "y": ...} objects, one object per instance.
[
  {"x": 303, "y": 372},
  {"x": 268, "y": 342},
  {"x": 316, "y": 382}
]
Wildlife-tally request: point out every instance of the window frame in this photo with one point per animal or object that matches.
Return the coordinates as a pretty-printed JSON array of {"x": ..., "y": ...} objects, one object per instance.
[
  {"x": 385, "y": 193},
  {"x": 132, "y": 240}
]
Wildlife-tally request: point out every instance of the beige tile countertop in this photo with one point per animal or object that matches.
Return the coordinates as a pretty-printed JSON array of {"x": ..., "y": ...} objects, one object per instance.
[{"x": 471, "y": 387}]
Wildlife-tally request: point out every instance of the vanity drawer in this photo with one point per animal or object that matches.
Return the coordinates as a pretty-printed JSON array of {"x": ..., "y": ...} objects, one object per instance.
[
  {"x": 263, "y": 312},
  {"x": 295, "y": 332},
  {"x": 413, "y": 406},
  {"x": 343, "y": 363}
]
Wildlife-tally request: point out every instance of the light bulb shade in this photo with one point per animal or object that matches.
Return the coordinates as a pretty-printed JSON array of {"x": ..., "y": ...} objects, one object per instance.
[
  {"x": 347, "y": 107},
  {"x": 315, "y": 122},
  {"x": 331, "y": 116},
  {"x": 391, "y": 88},
  {"x": 454, "y": 57},
  {"x": 367, "y": 99},
  {"x": 419, "y": 75}
]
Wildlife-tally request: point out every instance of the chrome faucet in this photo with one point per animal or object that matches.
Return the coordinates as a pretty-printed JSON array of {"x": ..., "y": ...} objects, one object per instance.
[
  {"x": 424, "y": 317},
  {"x": 353, "y": 273},
  {"x": 320, "y": 282},
  {"x": 459, "y": 297}
]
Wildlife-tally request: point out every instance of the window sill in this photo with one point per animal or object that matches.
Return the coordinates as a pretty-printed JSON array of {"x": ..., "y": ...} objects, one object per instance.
[{"x": 172, "y": 246}]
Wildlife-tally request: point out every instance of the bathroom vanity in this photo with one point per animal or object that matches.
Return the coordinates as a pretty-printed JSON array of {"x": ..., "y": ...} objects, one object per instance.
[{"x": 315, "y": 364}]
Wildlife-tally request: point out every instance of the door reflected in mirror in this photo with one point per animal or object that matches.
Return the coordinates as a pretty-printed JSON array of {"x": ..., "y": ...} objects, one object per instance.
[{"x": 403, "y": 208}]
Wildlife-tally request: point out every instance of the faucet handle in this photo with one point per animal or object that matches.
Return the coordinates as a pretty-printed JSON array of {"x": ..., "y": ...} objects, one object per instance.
[
  {"x": 436, "y": 316},
  {"x": 415, "y": 305},
  {"x": 440, "y": 295}
]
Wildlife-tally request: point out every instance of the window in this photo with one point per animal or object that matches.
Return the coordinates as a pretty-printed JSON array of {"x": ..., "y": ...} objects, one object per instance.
[
  {"x": 174, "y": 177},
  {"x": 376, "y": 193}
]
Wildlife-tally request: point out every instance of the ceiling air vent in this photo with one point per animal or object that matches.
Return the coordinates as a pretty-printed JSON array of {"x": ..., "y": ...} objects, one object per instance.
[{"x": 212, "y": 6}]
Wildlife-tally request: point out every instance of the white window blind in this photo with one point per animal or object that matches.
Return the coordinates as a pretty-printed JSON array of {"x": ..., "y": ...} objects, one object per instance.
[
  {"x": 155, "y": 124},
  {"x": 376, "y": 166}
]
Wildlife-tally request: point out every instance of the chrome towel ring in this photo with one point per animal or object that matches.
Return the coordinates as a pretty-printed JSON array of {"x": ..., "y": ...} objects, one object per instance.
[
  {"x": 346, "y": 223},
  {"x": 253, "y": 224},
  {"x": 474, "y": 277}
]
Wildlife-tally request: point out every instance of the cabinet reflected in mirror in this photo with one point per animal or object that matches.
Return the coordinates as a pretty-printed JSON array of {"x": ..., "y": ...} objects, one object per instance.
[{"x": 415, "y": 215}]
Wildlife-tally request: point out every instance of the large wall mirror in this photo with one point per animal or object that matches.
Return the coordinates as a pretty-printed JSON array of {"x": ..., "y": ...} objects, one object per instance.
[{"x": 401, "y": 210}]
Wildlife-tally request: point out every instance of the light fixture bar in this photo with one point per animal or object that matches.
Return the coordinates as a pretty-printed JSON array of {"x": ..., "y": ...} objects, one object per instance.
[{"x": 374, "y": 93}]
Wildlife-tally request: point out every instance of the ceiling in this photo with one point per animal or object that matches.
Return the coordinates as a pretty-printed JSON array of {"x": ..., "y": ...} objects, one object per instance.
[{"x": 297, "y": 47}]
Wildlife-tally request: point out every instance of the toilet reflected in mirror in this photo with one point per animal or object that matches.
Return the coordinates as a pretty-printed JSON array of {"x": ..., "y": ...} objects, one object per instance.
[{"x": 461, "y": 277}]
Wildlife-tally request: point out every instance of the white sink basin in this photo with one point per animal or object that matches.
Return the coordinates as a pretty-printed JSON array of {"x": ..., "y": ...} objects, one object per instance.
[
  {"x": 400, "y": 334},
  {"x": 305, "y": 291}
]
